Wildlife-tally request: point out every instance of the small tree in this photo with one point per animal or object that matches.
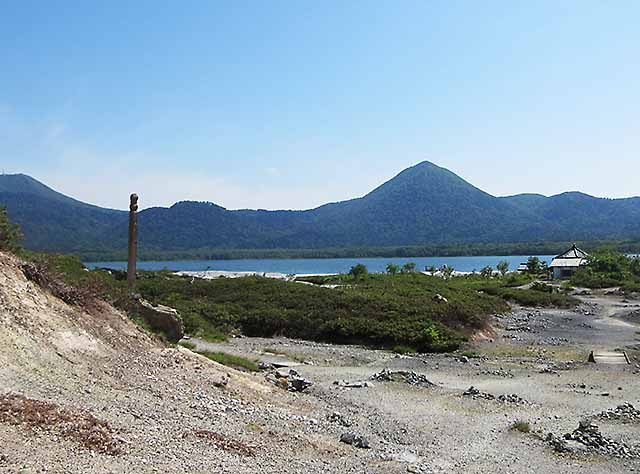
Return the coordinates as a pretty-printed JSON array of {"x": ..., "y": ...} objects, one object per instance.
[
  {"x": 544, "y": 268},
  {"x": 447, "y": 271},
  {"x": 486, "y": 272},
  {"x": 533, "y": 265},
  {"x": 392, "y": 268},
  {"x": 503, "y": 267},
  {"x": 431, "y": 269},
  {"x": 408, "y": 267},
  {"x": 358, "y": 271},
  {"x": 10, "y": 234}
]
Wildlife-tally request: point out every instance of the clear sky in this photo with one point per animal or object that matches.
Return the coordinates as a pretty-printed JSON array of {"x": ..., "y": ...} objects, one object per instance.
[{"x": 273, "y": 104}]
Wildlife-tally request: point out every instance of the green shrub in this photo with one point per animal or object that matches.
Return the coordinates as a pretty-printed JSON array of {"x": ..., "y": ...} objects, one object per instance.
[
  {"x": 521, "y": 426},
  {"x": 542, "y": 287},
  {"x": 233, "y": 361},
  {"x": 534, "y": 298},
  {"x": 607, "y": 268},
  {"x": 358, "y": 271},
  {"x": 10, "y": 234},
  {"x": 408, "y": 267},
  {"x": 400, "y": 349}
]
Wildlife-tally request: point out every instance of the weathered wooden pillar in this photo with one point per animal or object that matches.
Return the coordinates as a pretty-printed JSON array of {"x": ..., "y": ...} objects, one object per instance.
[{"x": 133, "y": 240}]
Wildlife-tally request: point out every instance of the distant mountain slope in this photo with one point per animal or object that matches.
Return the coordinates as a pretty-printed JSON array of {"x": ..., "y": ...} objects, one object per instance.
[
  {"x": 424, "y": 204},
  {"x": 587, "y": 216},
  {"x": 52, "y": 221},
  {"x": 25, "y": 185}
]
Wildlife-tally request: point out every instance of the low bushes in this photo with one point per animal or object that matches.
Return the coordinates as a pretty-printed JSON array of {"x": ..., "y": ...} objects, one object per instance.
[
  {"x": 377, "y": 310},
  {"x": 607, "y": 269},
  {"x": 405, "y": 311}
]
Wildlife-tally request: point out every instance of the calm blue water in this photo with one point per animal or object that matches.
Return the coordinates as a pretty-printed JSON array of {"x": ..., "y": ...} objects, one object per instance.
[{"x": 320, "y": 265}]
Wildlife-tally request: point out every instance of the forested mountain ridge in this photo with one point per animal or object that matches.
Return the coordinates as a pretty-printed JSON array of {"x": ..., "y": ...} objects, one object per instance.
[{"x": 424, "y": 204}]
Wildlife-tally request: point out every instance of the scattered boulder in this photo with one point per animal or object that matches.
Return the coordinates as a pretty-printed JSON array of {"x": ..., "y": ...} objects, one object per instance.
[
  {"x": 347, "y": 384},
  {"x": 419, "y": 469},
  {"x": 549, "y": 370},
  {"x": 626, "y": 413},
  {"x": 339, "y": 418},
  {"x": 498, "y": 373},
  {"x": 512, "y": 398},
  {"x": 475, "y": 393},
  {"x": 587, "y": 437},
  {"x": 160, "y": 318},
  {"x": 289, "y": 379},
  {"x": 439, "y": 298},
  {"x": 298, "y": 384},
  {"x": 355, "y": 440}
]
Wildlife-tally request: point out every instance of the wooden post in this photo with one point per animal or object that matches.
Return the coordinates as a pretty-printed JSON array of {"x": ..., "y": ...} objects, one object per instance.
[{"x": 133, "y": 241}]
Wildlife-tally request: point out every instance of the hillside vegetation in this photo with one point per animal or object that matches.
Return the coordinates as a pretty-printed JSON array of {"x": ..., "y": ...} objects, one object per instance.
[
  {"x": 410, "y": 310},
  {"x": 607, "y": 268},
  {"x": 424, "y": 205}
]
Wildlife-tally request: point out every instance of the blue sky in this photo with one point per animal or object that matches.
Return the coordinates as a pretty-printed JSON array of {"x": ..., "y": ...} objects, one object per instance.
[{"x": 273, "y": 104}]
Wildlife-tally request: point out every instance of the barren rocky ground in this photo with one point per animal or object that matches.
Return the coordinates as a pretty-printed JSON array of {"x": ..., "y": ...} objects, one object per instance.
[{"x": 87, "y": 391}]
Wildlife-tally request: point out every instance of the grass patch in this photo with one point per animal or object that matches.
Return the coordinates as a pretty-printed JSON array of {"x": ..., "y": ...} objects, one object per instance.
[
  {"x": 403, "y": 350},
  {"x": 521, "y": 426},
  {"x": 470, "y": 354},
  {"x": 233, "y": 361},
  {"x": 254, "y": 427},
  {"x": 189, "y": 345},
  {"x": 534, "y": 298},
  {"x": 283, "y": 353}
]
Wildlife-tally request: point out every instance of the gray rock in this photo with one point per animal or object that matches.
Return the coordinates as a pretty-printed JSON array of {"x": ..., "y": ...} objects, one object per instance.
[
  {"x": 355, "y": 440},
  {"x": 337, "y": 417},
  {"x": 160, "y": 318}
]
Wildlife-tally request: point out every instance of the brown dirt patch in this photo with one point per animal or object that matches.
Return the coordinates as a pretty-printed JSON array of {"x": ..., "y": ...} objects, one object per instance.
[
  {"x": 224, "y": 443},
  {"x": 76, "y": 425}
]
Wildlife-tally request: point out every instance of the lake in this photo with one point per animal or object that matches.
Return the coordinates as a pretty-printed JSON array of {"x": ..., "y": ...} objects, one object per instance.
[{"x": 320, "y": 265}]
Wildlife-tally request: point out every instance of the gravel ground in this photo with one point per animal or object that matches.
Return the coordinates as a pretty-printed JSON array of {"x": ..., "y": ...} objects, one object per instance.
[{"x": 170, "y": 410}]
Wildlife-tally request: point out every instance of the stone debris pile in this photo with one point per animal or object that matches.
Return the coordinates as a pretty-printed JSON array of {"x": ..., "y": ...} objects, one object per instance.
[
  {"x": 518, "y": 328},
  {"x": 587, "y": 438},
  {"x": 289, "y": 379},
  {"x": 475, "y": 393},
  {"x": 339, "y": 418},
  {"x": 409, "y": 377},
  {"x": 512, "y": 398},
  {"x": 498, "y": 373},
  {"x": 357, "y": 384},
  {"x": 625, "y": 412},
  {"x": 553, "y": 341}
]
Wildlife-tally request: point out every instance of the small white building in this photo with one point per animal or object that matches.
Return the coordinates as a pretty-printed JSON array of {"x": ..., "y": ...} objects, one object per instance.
[{"x": 565, "y": 265}]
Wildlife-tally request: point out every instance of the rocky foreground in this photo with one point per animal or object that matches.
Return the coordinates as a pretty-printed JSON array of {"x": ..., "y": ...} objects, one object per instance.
[{"x": 87, "y": 391}]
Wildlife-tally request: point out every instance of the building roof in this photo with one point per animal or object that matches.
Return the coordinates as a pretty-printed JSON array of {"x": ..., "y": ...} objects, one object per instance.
[{"x": 574, "y": 257}]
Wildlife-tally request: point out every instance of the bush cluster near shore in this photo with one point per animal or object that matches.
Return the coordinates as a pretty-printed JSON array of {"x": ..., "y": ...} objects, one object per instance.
[
  {"x": 410, "y": 310},
  {"x": 421, "y": 312},
  {"x": 607, "y": 269}
]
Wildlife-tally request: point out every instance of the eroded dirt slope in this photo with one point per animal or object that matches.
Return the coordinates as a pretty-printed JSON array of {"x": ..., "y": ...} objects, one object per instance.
[{"x": 84, "y": 392}]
